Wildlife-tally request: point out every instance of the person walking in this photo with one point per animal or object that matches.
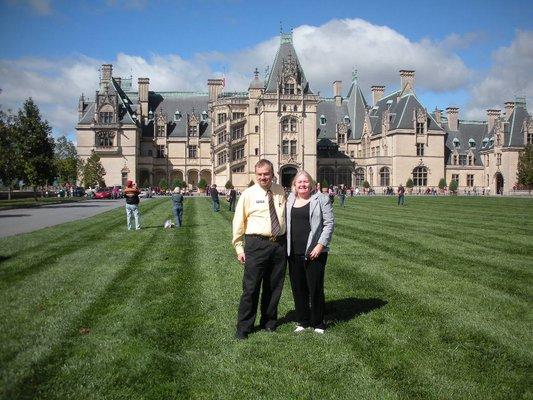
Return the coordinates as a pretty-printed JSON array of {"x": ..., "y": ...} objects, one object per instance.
[
  {"x": 214, "y": 196},
  {"x": 131, "y": 193},
  {"x": 401, "y": 195},
  {"x": 310, "y": 224},
  {"x": 260, "y": 243},
  {"x": 232, "y": 198},
  {"x": 177, "y": 206},
  {"x": 342, "y": 194}
]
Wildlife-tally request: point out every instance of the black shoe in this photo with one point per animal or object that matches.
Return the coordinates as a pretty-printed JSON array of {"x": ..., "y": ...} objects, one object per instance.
[
  {"x": 270, "y": 329},
  {"x": 241, "y": 335}
]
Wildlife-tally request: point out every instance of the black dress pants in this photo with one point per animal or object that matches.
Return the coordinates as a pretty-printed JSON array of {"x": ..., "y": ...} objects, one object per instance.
[
  {"x": 307, "y": 282},
  {"x": 265, "y": 266}
]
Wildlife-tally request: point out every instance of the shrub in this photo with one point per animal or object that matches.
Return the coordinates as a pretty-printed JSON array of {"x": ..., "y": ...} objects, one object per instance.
[
  {"x": 202, "y": 184},
  {"x": 453, "y": 186},
  {"x": 163, "y": 184},
  {"x": 442, "y": 183},
  {"x": 228, "y": 185},
  {"x": 409, "y": 184},
  {"x": 324, "y": 184},
  {"x": 366, "y": 185}
]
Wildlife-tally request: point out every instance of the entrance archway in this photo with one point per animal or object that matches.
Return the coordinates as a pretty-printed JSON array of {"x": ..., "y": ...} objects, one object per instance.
[
  {"x": 499, "y": 183},
  {"x": 287, "y": 175}
]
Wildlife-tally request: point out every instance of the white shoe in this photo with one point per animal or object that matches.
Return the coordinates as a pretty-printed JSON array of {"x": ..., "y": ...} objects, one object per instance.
[
  {"x": 299, "y": 329},
  {"x": 319, "y": 330}
]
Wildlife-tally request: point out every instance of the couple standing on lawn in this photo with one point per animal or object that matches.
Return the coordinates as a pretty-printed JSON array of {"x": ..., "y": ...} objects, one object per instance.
[{"x": 268, "y": 230}]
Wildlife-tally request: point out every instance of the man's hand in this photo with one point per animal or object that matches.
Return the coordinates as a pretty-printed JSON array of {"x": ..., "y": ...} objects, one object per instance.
[
  {"x": 241, "y": 257},
  {"x": 316, "y": 251}
]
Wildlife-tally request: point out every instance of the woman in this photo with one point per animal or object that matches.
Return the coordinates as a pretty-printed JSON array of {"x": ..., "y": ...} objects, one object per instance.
[
  {"x": 177, "y": 206},
  {"x": 309, "y": 230}
]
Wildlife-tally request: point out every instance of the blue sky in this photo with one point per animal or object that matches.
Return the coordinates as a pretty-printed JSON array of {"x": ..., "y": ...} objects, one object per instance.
[{"x": 473, "y": 54}]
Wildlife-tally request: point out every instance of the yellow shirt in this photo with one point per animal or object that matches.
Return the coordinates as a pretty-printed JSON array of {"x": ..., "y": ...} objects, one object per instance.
[{"x": 252, "y": 215}]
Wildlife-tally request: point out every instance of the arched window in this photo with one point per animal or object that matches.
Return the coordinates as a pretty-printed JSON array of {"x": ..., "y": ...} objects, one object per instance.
[
  {"x": 322, "y": 119},
  {"x": 384, "y": 176},
  {"x": 344, "y": 175},
  {"x": 328, "y": 174},
  {"x": 420, "y": 176},
  {"x": 359, "y": 176},
  {"x": 104, "y": 139}
]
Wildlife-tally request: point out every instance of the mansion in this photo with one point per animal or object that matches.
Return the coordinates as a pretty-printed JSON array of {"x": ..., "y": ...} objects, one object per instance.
[{"x": 148, "y": 136}]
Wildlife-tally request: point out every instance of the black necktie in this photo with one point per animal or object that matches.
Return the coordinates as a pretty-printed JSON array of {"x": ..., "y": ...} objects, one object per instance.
[{"x": 274, "y": 222}]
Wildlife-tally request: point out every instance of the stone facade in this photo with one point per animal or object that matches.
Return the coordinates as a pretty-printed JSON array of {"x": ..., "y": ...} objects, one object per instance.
[{"x": 148, "y": 136}]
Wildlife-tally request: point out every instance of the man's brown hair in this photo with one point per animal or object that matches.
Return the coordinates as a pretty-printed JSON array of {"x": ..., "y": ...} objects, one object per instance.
[{"x": 262, "y": 162}]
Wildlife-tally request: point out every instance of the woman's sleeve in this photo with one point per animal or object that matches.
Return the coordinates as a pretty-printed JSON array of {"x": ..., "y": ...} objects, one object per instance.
[{"x": 328, "y": 221}]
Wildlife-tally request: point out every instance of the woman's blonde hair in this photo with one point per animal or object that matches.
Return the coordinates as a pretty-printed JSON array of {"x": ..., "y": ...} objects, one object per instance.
[{"x": 312, "y": 183}]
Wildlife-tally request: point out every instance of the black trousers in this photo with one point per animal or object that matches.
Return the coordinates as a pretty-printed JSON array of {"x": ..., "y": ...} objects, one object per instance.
[
  {"x": 307, "y": 282},
  {"x": 265, "y": 266}
]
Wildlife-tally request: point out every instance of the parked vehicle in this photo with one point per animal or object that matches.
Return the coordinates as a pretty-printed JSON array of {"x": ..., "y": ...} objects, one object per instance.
[
  {"x": 145, "y": 192},
  {"x": 104, "y": 193},
  {"x": 79, "y": 191}
]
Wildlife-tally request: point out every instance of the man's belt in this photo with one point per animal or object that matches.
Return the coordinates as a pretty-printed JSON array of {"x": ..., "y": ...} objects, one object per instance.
[{"x": 278, "y": 239}]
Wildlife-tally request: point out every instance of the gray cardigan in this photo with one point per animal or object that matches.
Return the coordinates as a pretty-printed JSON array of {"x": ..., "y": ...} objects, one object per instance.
[{"x": 320, "y": 218}]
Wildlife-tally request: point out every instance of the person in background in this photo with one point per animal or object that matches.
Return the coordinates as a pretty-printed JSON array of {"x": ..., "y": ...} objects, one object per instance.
[
  {"x": 342, "y": 194},
  {"x": 310, "y": 225},
  {"x": 214, "y": 196},
  {"x": 401, "y": 194},
  {"x": 177, "y": 206},
  {"x": 131, "y": 193},
  {"x": 232, "y": 198}
]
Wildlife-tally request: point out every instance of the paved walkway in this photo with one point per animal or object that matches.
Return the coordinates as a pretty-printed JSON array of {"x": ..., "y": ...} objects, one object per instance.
[{"x": 24, "y": 220}]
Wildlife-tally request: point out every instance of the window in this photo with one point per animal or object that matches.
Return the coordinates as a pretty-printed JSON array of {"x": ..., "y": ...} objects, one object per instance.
[
  {"x": 256, "y": 129},
  {"x": 359, "y": 176},
  {"x": 288, "y": 88},
  {"x": 471, "y": 159},
  {"x": 256, "y": 110},
  {"x": 456, "y": 143},
  {"x": 322, "y": 120},
  {"x": 221, "y": 137},
  {"x": 455, "y": 177},
  {"x": 384, "y": 176},
  {"x": 238, "y": 169},
  {"x": 346, "y": 119},
  {"x": 237, "y": 115},
  {"x": 285, "y": 147},
  {"x": 288, "y": 125},
  {"x": 192, "y": 130},
  {"x": 257, "y": 151},
  {"x": 177, "y": 115},
  {"x": 295, "y": 108},
  {"x": 420, "y": 128},
  {"x": 204, "y": 115},
  {"x": 499, "y": 159},
  {"x": 222, "y": 157},
  {"x": 106, "y": 117},
  {"x": 161, "y": 151},
  {"x": 237, "y": 153},
  {"x": 420, "y": 149},
  {"x": 462, "y": 159},
  {"x": 487, "y": 158},
  {"x": 472, "y": 143},
  {"x": 342, "y": 138},
  {"x": 221, "y": 118},
  {"x": 284, "y": 108},
  {"x": 193, "y": 152},
  {"x": 372, "y": 151},
  {"x": 420, "y": 176},
  {"x": 470, "y": 180},
  {"x": 529, "y": 138},
  {"x": 359, "y": 153},
  {"x": 104, "y": 139},
  {"x": 237, "y": 132},
  {"x": 352, "y": 153},
  {"x": 293, "y": 147},
  {"x": 454, "y": 162},
  {"x": 160, "y": 131}
]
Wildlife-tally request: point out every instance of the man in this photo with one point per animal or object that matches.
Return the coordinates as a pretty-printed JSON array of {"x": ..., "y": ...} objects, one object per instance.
[
  {"x": 401, "y": 194},
  {"x": 177, "y": 206},
  {"x": 214, "y": 197},
  {"x": 232, "y": 198},
  {"x": 260, "y": 220},
  {"x": 131, "y": 193},
  {"x": 342, "y": 194}
]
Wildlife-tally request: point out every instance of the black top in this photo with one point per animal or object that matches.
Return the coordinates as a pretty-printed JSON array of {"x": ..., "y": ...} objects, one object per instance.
[
  {"x": 177, "y": 199},
  {"x": 300, "y": 229},
  {"x": 214, "y": 194},
  {"x": 232, "y": 194}
]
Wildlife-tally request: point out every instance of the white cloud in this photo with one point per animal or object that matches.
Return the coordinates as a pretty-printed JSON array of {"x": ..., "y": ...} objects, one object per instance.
[
  {"x": 327, "y": 53},
  {"x": 510, "y": 75}
]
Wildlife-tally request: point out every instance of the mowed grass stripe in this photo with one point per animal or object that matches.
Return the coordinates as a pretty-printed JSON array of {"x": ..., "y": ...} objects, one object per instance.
[{"x": 113, "y": 316}]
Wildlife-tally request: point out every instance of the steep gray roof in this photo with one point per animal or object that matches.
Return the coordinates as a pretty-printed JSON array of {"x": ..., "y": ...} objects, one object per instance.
[
  {"x": 333, "y": 114},
  {"x": 356, "y": 110},
  {"x": 466, "y": 132},
  {"x": 89, "y": 114},
  {"x": 285, "y": 51},
  {"x": 513, "y": 134},
  {"x": 185, "y": 103}
]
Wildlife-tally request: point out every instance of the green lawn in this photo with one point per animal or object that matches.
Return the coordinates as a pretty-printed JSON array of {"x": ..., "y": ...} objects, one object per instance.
[
  {"x": 32, "y": 202},
  {"x": 428, "y": 301}
]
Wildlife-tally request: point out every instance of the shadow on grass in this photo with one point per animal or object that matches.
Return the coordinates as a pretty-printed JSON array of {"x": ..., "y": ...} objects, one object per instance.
[
  {"x": 341, "y": 310},
  {"x": 4, "y": 258},
  {"x": 14, "y": 215}
]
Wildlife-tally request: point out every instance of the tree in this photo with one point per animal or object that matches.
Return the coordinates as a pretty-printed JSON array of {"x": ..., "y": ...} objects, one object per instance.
[
  {"x": 66, "y": 160},
  {"x": 37, "y": 145},
  {"x": 524, "y": 173},
  {"x": 178, "y": 183},
  {"x": 324, "y": 184},
  {"x": 10, "y": 151},
  {"x": 453, "y": 186},
  {"x": 93, "y": 171},
  {"x": 366, "y": 185},
  {"x": 202, "y": 184},
  {"x": 409, "y": 184},
  {"x": 163, "y": 184},
  {"x": 442, "y": 183},
  {"x": 229, "y": 185}
]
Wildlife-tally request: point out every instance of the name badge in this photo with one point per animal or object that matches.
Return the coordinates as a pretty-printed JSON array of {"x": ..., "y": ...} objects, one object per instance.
[{"x": 259, "y": 202}]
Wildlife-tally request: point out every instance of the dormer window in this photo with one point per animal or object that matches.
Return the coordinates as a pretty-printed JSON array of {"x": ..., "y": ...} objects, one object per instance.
[
  {"x": 322, "y": 119},
  {"x": 288, "y": 88},
  {"x": 151, "y": 114},
  {"x": 456, "y": 143},
  {"x": 204, "y": 115},
  {"x": 491, "y": 141},
  {"x": 160, "y": 131},
  {"x": 420, "y": 128},
  {"x": 472, "y": 143},
  {"x": 192, "y": 130},
  {"x": 177, "y": 115},
  {"x": 346, "y": 119},
  {"x": 106, "y": 114},
  {"x": 485, "y": 142}
]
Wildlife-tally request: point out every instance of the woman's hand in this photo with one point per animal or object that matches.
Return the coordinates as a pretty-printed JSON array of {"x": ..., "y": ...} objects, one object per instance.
[{"x": 316, "y": 251}]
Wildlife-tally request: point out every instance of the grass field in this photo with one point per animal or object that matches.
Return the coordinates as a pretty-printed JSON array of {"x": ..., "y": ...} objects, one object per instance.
[
  {"x": 40, "y": 201},
  {"x": 429, "y": 301}
]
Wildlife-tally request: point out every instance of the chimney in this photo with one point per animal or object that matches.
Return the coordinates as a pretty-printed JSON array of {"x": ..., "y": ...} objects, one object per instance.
[
  {"x": 377, "y": 93},
  {"x": 438, "y": 115},
  {"x": 214, "y": 87},
  {"x": 105, "y": 77},
  {"x": 509, "y": 107},
  {"x": 452, "y": 113},
  {"x": 144, "y": 84},
  {"x": 337, "y": 88},
  {"x": 407, "y": 81},
  {"x": 492, "y": 115}
]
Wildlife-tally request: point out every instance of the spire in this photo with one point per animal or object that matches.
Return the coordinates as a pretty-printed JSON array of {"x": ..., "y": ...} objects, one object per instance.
[{"x": 354, "y": 75}]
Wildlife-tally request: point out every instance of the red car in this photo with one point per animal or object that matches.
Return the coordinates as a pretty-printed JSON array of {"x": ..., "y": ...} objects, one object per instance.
[{"x": 103, "y": 194}]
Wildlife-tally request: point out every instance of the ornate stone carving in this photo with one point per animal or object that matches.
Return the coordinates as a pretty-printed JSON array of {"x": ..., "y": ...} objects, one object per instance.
[{"x": 420, "y": 115}]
